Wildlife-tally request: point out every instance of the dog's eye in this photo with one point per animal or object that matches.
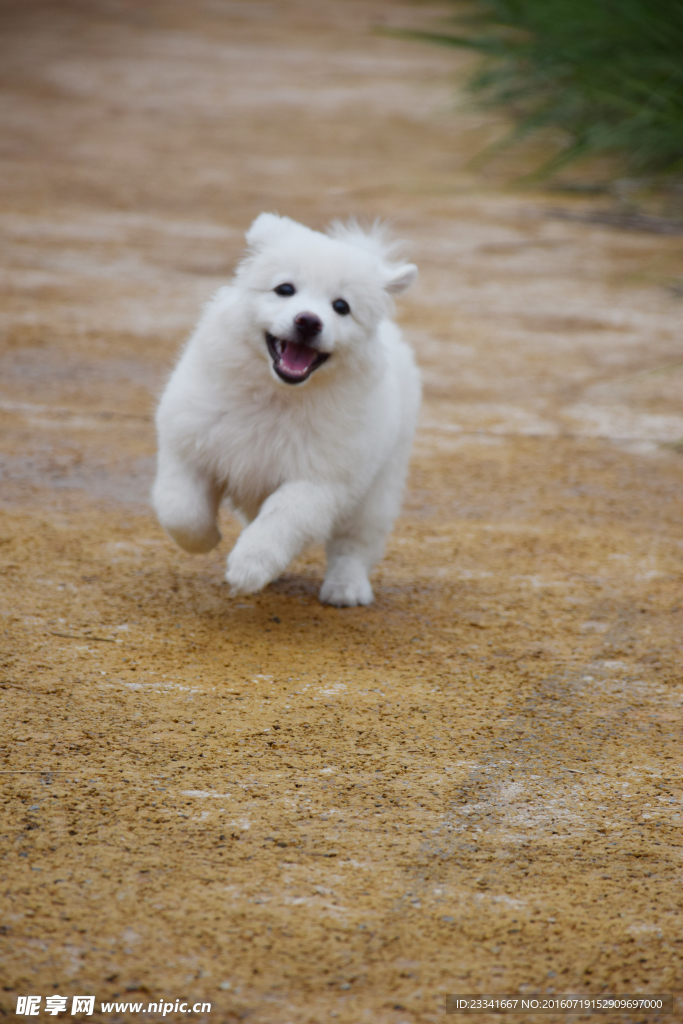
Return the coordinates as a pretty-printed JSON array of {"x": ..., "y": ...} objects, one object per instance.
[
  {"x": 285, "y": 289},
  {"x": 341, "y": 306}
]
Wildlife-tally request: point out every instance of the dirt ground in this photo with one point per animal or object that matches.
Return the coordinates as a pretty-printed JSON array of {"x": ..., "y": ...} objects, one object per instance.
[{"x": 296, "y": 813}]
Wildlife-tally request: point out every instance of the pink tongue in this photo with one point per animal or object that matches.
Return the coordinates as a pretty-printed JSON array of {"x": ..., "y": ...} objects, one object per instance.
[{"x": 297, "y": 359}]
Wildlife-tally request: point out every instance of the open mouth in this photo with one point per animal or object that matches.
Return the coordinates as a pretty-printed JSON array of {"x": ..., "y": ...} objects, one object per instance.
[{"x": 293, "y": 361}]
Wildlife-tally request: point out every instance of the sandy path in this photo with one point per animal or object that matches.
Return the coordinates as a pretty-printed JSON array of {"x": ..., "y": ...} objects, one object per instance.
[{"x": 294, "y": 813}]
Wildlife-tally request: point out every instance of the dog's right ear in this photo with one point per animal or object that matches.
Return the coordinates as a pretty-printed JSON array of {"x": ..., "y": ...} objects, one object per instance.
[{"x": 266, "y": 227}]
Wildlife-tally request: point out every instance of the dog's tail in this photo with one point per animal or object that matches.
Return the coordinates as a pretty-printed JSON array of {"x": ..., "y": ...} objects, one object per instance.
[{"x": 374, "y": 238}]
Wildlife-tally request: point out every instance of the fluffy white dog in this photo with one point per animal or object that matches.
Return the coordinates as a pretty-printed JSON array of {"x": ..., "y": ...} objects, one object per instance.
[{"x": 295, "y": 399}]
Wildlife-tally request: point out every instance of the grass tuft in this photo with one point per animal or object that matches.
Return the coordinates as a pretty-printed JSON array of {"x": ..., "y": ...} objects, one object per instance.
[{"x": 608, "y": 73}]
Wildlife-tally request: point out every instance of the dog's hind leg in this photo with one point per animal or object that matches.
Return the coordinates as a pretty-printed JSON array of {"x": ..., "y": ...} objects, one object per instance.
[
  {"x": 186, "y": 503},
  {"x": 359, "y": 542},
  {"x": 346, "y": 581}
]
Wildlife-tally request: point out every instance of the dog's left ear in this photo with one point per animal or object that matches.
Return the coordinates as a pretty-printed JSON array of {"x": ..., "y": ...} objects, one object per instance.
[{"x": 401, "y": 278}]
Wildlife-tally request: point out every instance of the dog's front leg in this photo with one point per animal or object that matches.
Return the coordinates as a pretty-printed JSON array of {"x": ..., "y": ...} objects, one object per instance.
[
  {"x": 186, "y": 503},
  {"x": 294, "y": 516}
]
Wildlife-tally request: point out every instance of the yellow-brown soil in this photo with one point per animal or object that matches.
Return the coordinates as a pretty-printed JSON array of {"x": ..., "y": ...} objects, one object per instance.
[{"x": 295, "y": 813}]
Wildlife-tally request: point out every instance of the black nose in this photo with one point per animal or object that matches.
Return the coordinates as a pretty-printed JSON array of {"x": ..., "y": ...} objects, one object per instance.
[{"x": 308, "y": 324}]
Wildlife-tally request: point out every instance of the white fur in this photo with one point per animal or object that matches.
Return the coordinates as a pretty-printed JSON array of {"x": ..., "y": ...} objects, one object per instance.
[{"x": 320, "y": 461}]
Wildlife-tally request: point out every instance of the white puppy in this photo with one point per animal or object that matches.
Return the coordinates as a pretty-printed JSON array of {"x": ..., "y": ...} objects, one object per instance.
[{"x": 296, "y": 400}]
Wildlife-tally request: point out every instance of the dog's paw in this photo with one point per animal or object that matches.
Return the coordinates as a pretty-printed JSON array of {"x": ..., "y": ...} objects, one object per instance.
[
  {"x": 346, "y": 585},
  {"x": 193, "y": 540},
  {"x": 249, "y": 569}
]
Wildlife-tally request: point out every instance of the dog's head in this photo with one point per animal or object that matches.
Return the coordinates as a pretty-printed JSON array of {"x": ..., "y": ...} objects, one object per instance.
[{"x": 317, "y": 299}]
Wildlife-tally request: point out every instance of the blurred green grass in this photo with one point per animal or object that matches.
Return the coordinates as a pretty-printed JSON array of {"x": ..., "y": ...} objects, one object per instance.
[{"x": 607, "y": 73}]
